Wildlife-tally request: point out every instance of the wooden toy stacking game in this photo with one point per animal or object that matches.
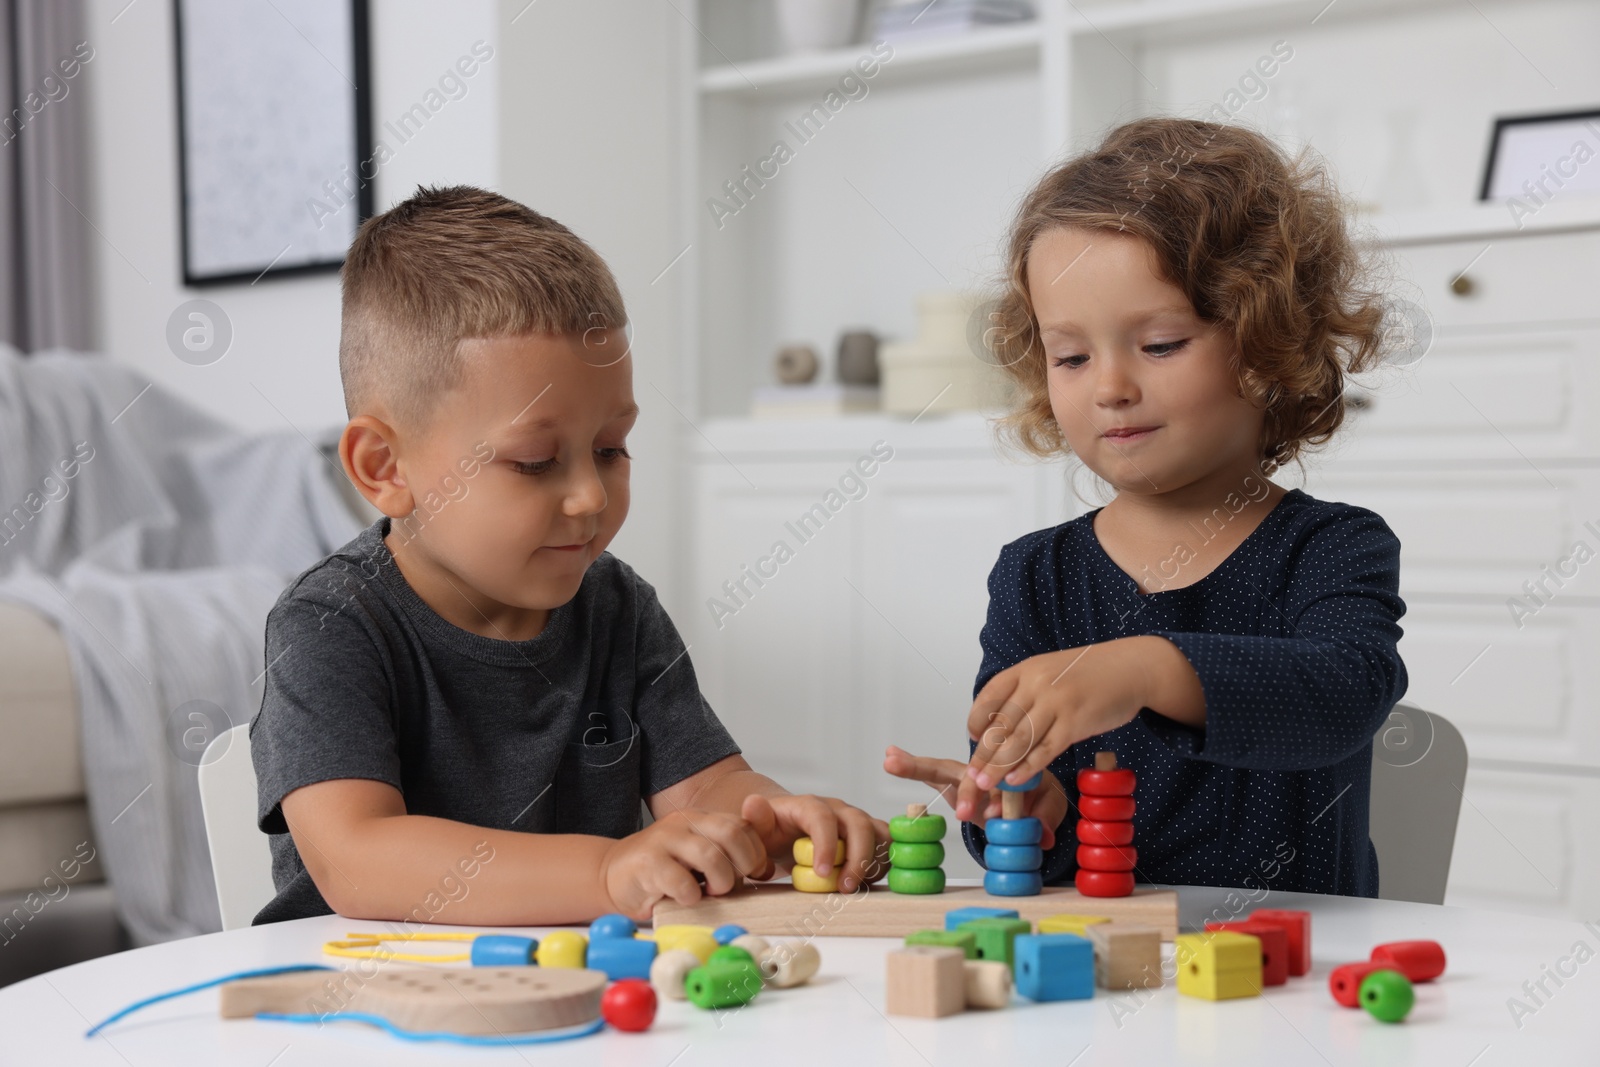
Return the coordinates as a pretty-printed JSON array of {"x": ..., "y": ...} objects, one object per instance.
[
  {"x": 805, "y": 877},
  {"x": 1106, "y": 856},
  {"x": 916, "y": 851},
  {"x": 1013, "y": 856}
]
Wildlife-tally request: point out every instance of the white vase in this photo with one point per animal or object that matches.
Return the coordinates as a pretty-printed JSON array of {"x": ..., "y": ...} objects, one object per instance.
[{"x": 815, "y": 25}]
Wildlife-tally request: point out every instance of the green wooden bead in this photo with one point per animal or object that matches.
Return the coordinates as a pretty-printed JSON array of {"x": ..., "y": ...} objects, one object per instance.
[
  {"x": 996, "y": 937},
  {"x": 965, "y": 940},
  {"x": 923, "y": 829},
  {"x": 913, "y": 880},
  {"x": 915, "y": 855},
  {"x": 1387, "y": 995},
  {"x": 731, "y": 954},
  {"x": 723, "y": 984}
]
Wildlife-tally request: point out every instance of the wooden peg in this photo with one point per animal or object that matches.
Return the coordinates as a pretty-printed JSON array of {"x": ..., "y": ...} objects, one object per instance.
[
  {"x": 916, "y": 811},
  {"x": 1010, "y": 805},
  {"x": 1105, "y": 761}
]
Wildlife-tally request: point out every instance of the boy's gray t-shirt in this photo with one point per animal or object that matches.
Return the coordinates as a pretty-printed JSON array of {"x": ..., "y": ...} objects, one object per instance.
[{"x": 561, "y": 733}]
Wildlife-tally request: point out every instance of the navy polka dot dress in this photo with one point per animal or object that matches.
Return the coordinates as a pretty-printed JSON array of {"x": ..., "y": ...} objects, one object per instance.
[{"x": 1293, "y": 637}]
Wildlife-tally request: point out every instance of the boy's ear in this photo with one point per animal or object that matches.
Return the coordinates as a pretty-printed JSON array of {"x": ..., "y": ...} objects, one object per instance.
[{"x": 368, "y": 450}]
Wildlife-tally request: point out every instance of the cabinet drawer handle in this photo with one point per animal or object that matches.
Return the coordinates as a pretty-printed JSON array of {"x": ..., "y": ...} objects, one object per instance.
[
  {"x": 1462, "y": 285},
  {"x": 1357, "y": 402}
]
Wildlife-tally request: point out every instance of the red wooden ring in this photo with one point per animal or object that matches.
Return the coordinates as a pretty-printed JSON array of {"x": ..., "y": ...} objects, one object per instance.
[
  {"x": 1345, "y": 982},
  {"x": 1095, "y": 858},
  {"x": 1117, "y": 783},
  {"x": 1104, "y": 883},
  {"x": 1104, "y": 833},
  {"x": 1420, "y": 961},
  {"x": 1105, "y": 809}
]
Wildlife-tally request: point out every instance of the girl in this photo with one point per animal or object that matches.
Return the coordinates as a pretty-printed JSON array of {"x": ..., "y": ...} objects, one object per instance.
[{"x": 1183, "y": 305}]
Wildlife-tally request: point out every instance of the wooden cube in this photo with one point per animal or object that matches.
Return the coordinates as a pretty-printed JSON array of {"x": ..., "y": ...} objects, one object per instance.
[
  {"x": 1274, "y": 946},
  {"x": 926, "y": 981},
  {"x": 1126, "y": 955},
  {"x": 996, "y": 937},
  {"x": 1219, "y": 966},
  {"x": 1298, "y": 925},
  {"x": 1070, "y": 924},
  {"x": 965, "y": 940}
]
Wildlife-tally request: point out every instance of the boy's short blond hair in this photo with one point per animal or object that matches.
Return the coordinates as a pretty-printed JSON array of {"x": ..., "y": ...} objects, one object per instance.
[{"x": 450, "y": 264}]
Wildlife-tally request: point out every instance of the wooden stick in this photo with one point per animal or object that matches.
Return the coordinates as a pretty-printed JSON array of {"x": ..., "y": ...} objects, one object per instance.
[{"x": 1105, "y": 761}]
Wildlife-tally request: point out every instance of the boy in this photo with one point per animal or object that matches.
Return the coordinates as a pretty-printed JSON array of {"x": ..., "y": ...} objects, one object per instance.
[{"x": 465, "y": 704}]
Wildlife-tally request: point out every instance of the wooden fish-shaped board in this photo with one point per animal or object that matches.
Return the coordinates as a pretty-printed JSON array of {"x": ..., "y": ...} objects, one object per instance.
[{"x": 478, "y": 1000}]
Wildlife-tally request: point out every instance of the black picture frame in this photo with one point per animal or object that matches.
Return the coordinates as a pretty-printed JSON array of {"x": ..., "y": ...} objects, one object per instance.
[
  {"x": 1504, "y": 123},
  {"x": 358, "y": 92}
]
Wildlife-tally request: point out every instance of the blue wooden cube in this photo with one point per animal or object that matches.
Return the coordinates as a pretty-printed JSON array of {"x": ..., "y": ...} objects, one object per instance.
[
  {"x": 622, "y": 957},
  {"x": 1054, "y": 967},
  {"x": 956, "y": 916}
]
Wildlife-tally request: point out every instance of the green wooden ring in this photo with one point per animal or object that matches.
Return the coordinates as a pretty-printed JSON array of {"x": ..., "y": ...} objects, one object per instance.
[
  {"x": 915, "y": 855},
  {"x": 919, "y": 882},
  {"x": 922, "y": 830}
]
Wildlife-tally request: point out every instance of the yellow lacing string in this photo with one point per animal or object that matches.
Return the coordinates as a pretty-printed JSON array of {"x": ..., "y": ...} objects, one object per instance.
[{"x": 360, "y": 946}]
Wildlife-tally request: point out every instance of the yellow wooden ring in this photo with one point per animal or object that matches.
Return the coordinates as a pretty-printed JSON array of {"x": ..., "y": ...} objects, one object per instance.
[{"x": 808, "y": 880}]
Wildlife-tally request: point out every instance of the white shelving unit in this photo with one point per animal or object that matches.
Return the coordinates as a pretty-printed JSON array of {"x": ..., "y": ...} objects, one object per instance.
[{"x": 911, "y": 185}]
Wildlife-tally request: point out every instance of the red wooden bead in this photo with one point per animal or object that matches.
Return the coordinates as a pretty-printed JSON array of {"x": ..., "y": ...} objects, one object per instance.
[
  {"x": 1298, "y": 924},
  {"x": 1420, "y": 961},
  {"x": 1345, "y": 982},
  {"x": 1104, "y": 883},
  {"x": 1097, "y": 858},
  {"x": 1104, "y": 809},
  {"x": 1117, "y": 783},
  {"x": 629, "y": 1004},
  {"x": 1274, "y": 946},
  {"x": 1104, "y": 833}
]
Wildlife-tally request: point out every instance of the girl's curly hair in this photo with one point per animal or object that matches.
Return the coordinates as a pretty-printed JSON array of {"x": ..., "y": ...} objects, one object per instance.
[{"x": 1255, "y": 240}]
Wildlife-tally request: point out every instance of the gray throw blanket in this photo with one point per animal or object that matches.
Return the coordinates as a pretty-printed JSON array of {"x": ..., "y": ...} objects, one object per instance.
[{"x": 156, "y": 538}]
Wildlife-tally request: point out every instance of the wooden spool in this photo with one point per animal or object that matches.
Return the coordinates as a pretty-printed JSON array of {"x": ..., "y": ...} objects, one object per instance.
[{"x": 481, "y": 1001}]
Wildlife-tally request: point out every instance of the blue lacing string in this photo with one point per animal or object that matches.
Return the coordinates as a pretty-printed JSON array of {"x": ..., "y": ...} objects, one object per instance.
[{"x": 354, "y": 1016}]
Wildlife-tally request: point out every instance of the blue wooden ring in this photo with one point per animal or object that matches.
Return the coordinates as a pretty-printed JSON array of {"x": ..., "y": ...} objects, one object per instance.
[
  {"x": 1013, "y": 857},
  {"x": 1013, "y": 883},
  {"x": 1031, "y": 783},
  {"x": 1024, "y": 831}
]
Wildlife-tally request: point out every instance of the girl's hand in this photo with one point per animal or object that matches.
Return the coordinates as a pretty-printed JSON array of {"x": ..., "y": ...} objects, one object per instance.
[
  {"x": 779, "y": 820},
  {"x": 1030, "y": 713},
  {"x": 1048, "y": 803}
]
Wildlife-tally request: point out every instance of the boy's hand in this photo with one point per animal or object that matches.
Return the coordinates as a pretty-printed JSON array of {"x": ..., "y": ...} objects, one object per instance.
[
  {"x": 660, "y": 861},
  {"x": 1048, "y": 803},
  {"x": 1030, "y": 713},
  {"x": 779, "y": 820}
]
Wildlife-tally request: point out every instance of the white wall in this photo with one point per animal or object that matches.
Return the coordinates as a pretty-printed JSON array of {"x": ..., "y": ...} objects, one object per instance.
[
  {"x": 590, "y": 116},
  {"x": 282, "y": 367}
]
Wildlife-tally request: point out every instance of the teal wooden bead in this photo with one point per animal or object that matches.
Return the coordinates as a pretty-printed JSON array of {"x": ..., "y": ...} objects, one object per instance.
[
  {"x": 1387, "y": 995},
  {"x": 1012, "y": 857},
  {"x": 724, "y": 934},
  {"x": 503, "y": 950},
  {"x": 1029, "y": 785},
  {"x": 1013, "y": 883},
  {"x": 723, "y": 984},
  {"x": 1024, "y": 831},
  {"x": 916, "y": 855},
  {"x": 916, "y": 881},
  {"x": 955, "y": 917}
]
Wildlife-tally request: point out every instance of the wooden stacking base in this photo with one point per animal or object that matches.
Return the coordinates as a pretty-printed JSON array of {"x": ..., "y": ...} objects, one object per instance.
[{"x": 784, "y": 911}]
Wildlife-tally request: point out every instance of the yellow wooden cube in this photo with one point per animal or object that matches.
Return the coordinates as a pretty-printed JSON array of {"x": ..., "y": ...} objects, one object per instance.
[
  {"x": 805, "y": 854},
  {"x": 562, "y": 948},
  {"x": 1219, "y": 965},
  {"x": 1070, "y": 924},
  {"x": 809, "y": 881}
]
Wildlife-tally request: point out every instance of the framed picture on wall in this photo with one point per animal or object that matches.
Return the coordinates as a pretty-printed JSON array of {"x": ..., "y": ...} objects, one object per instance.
[
  {"x": 274, "y": 135},
  {"x": 1533, "y": 158}
]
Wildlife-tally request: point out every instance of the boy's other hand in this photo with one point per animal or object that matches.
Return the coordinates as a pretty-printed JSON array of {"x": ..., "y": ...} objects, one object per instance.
[
  {"x": 660, "y": 861},
  {"x": 1048, "y": 803},
  {"x": 780, "y": 820}
]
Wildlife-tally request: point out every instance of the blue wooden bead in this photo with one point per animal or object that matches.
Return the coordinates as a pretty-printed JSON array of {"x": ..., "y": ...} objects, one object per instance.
[
  {"x": 612, "y": 925},
  {"x": 622, "y": 957},
  {"x": 503, "y": 950},
  {"x": 1013, "y": 857},
  {"x": 1010, "y": 884},
  {"x": 1053, "y": 966},
  {"x": 1024, "y": 831},
  {"x": 724, "y": 934},
  {"x": 956, "y": 916},
  {"x": 1030, "y": 784}
]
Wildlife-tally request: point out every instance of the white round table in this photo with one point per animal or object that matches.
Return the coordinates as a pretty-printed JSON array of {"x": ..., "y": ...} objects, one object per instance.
[{"x": 1464, "y": 1018}]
